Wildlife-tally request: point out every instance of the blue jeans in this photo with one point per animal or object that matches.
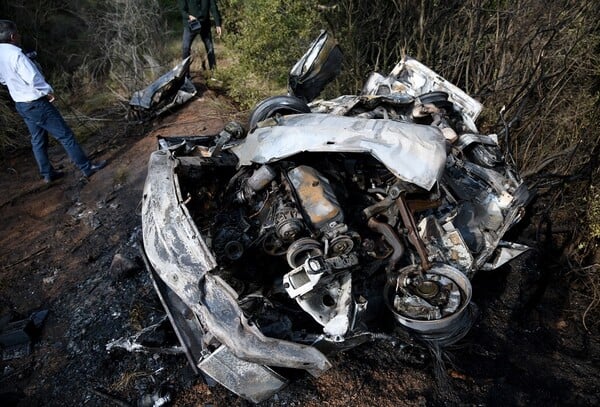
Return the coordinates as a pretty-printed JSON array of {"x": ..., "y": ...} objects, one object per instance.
[
  {"x": 206, "y": 35},
  {"x": 41, "y": 118}
]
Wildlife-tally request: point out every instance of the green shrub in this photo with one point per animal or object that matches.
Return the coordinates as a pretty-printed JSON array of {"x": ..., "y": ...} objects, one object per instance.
[{"x": 268, "y": 37}]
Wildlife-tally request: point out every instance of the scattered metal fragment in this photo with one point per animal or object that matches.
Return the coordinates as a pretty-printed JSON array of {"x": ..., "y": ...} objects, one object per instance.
[
  {"x": 171, "y": 89},
  {"x": 157, "y": 399},
  {"x": 132, "y": 344}
]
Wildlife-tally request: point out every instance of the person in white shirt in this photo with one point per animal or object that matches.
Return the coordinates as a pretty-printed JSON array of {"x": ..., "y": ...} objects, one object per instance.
[{"x": 33, "y": 98}]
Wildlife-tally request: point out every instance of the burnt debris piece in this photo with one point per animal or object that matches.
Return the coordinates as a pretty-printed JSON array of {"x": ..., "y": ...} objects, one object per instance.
[
  {"x": 16, "y": 337},
  {"x": 327, "y": 224},
  {"x": 171, "y": 89}
]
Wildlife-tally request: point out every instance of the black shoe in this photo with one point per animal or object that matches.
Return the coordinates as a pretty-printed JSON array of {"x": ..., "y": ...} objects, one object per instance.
[
  {"x": 95, "y": 167},
  {"x": 54, "y": 175}
]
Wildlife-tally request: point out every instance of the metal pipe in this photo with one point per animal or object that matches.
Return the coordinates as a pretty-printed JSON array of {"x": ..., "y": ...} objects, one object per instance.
[
  {"x": 378, "y": 207},
  {"x": 390, "y": 236},
  {"x": 413, "y": 232}
]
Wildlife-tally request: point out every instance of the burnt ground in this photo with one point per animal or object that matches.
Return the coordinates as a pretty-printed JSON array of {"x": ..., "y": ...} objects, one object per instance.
[{"x": 72, "y": 248}]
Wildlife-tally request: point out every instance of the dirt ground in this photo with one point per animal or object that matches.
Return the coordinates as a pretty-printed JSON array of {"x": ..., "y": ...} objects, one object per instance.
[{"x": 72, "y": 248}]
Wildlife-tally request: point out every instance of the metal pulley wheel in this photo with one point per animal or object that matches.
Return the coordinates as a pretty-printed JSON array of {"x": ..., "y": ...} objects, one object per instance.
[{"x": 301, "y": 250}]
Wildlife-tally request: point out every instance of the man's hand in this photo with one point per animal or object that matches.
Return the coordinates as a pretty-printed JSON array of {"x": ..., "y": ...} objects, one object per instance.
[
  {"x": 219, "y": 32},
  {"x": 50, "y": 97},
  {"x": 191, "y": 17}
]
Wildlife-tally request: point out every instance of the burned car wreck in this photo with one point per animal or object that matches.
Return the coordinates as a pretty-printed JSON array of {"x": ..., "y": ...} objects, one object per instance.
[{"x": 327, "y": 224}]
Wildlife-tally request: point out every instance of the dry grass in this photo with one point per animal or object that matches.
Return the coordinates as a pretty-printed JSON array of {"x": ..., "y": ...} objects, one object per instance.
[
  {"x": 127, "y": 380},
  {"x": 13, "y": 133},
  {"x": 587, "y": 281},
  {"x": 120, "y": 176}
]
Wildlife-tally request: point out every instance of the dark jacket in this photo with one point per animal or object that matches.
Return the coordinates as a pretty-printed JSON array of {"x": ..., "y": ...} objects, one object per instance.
[{"x": 200, "y": 9}]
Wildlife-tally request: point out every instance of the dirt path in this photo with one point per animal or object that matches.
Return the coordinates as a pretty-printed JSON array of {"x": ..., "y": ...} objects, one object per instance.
[
  {"x": 57, "y": 244},
  {"x": 72, "y": 248}
]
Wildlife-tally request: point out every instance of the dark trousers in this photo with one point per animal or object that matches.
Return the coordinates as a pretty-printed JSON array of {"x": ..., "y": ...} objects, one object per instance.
[
  {"x": 206, "y": 35},
  {"x": 41, "y": 118}
]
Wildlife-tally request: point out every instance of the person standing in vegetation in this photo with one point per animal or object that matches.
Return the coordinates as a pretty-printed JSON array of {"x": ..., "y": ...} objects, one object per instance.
[
  {"x": 199, "y": 11},
  {"x": 33, "y": 98}
]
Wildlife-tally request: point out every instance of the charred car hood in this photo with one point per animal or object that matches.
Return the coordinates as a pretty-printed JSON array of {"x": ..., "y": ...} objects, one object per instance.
[{"x": 414, "y": 153}]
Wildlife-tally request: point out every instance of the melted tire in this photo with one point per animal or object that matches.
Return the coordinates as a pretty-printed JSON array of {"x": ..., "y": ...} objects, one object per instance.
[{"x": 282, "y": 105}]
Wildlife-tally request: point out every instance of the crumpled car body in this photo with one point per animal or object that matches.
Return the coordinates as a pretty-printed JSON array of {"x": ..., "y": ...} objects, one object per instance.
[
  {"x": 171, "y": 89},
  {"x": 329, "y": 224}
]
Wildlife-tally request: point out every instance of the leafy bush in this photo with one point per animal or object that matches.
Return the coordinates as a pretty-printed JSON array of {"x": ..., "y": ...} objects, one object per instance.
[
  {"x": 246, "y": 88},
  {"x": 267, "y": 36}
]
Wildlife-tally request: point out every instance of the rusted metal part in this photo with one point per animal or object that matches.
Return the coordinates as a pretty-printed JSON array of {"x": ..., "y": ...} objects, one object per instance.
[
  {"x": 419, "y": 205},
  {"x": 316, "y": 197},
  {"x": 413, "y": 232},
  {"x": 378, "y": 207},
  {"x": 391, "y": 237}
]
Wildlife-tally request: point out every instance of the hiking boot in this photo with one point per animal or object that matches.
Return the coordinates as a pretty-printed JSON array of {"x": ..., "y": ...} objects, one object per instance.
[
  {"x": 54, "y": 175},
  {"x": 95, "y": 167}
]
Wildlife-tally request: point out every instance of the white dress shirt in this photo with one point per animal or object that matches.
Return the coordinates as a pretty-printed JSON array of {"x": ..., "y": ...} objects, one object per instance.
[{"x": 22, "y": 77}]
